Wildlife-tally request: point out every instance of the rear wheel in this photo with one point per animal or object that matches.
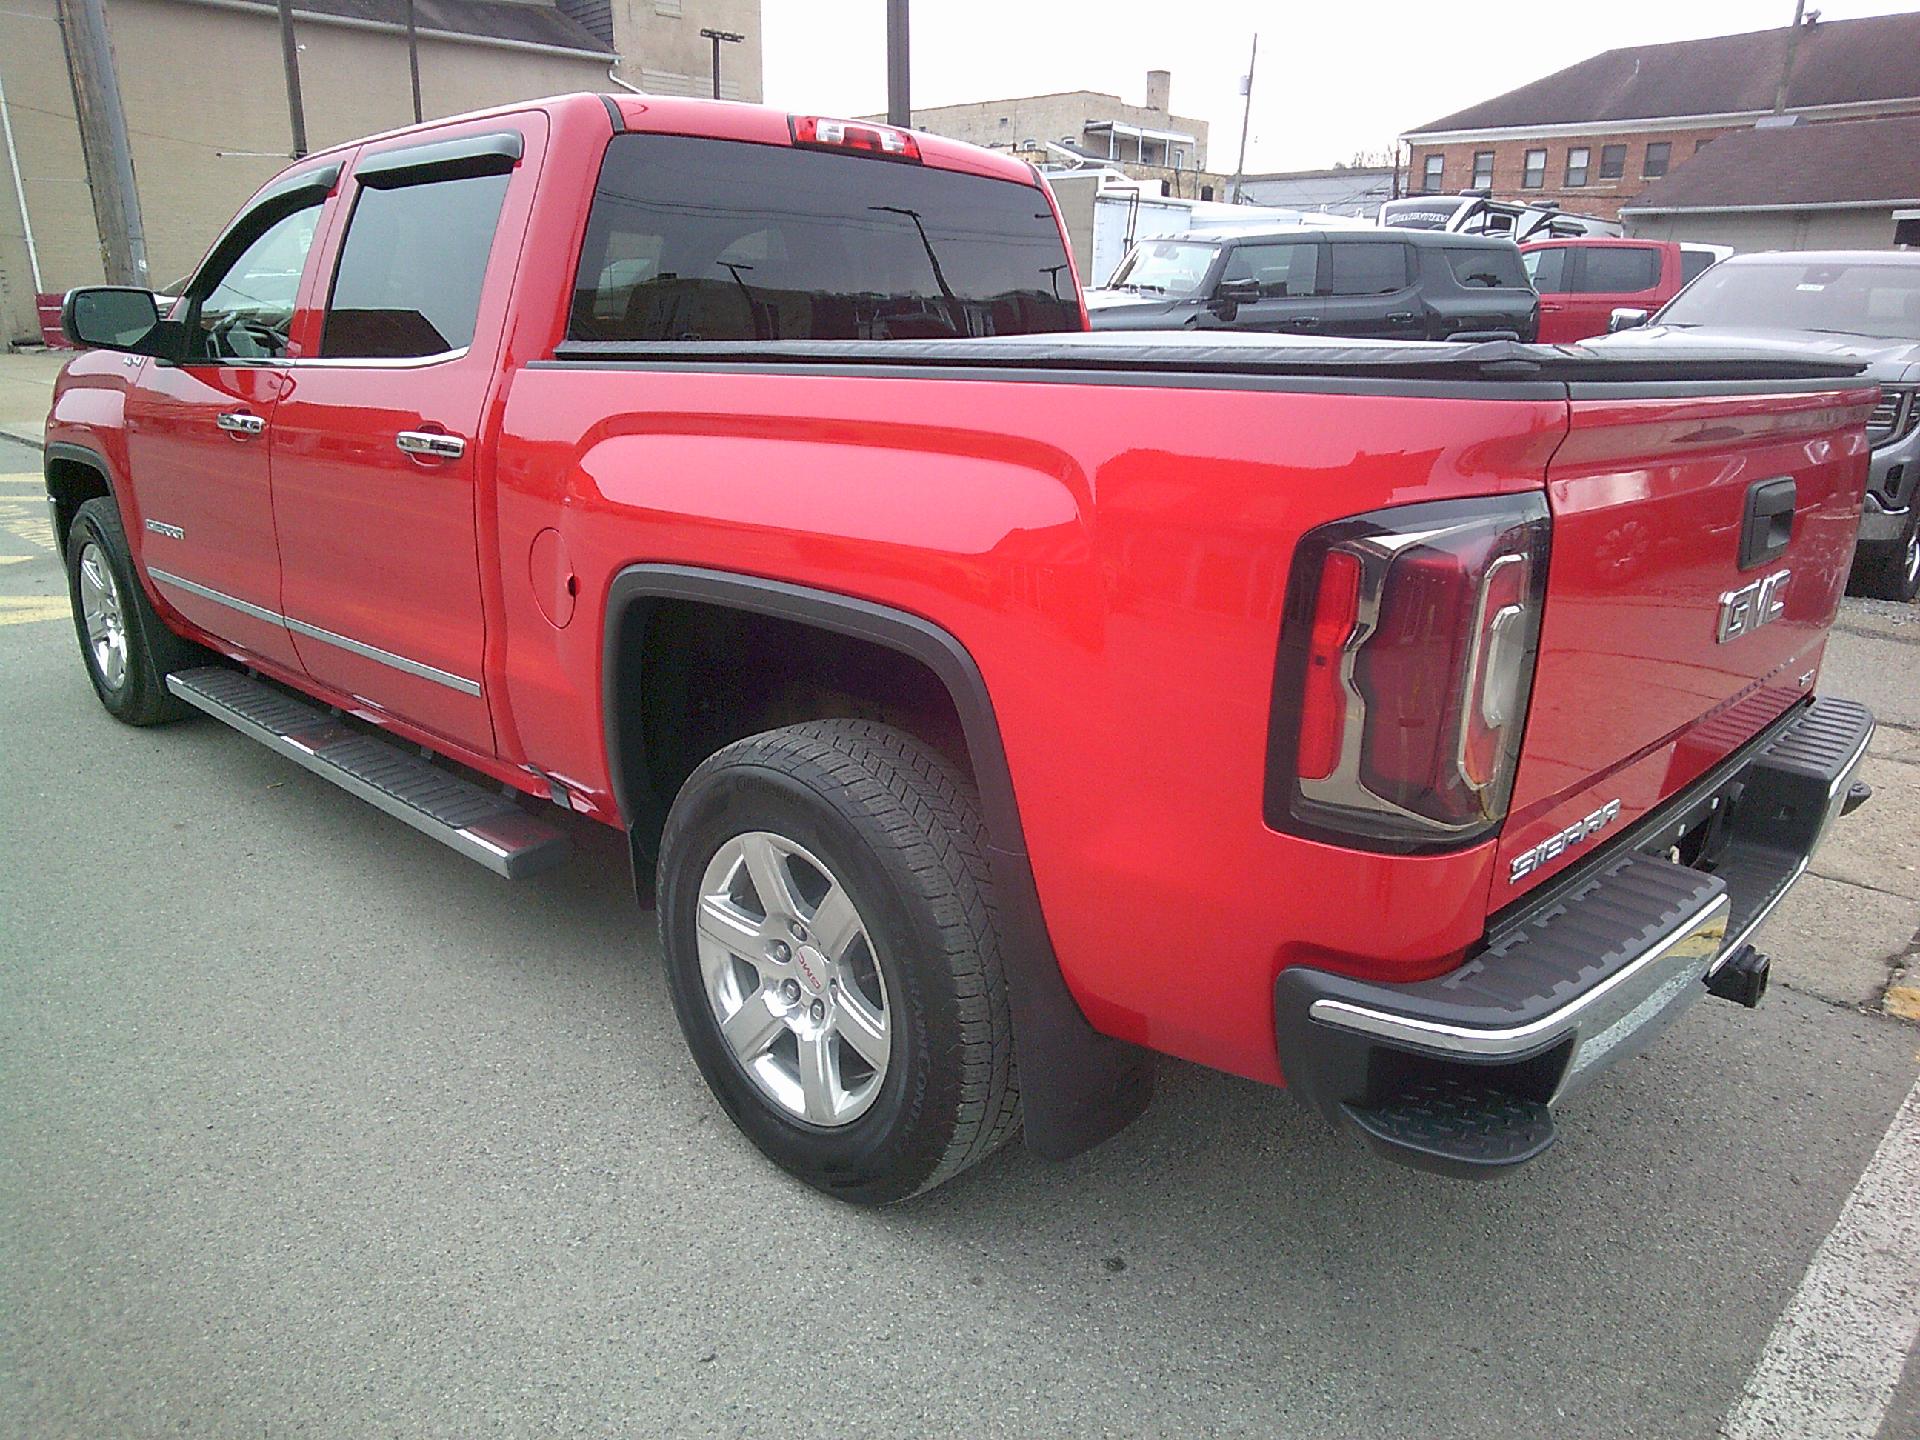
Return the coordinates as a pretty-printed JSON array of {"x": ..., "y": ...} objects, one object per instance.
[
  {"x": 1892, "y": 572},
  {"x": 827, "y": 923},
  {"x": 128, "y": 652}
]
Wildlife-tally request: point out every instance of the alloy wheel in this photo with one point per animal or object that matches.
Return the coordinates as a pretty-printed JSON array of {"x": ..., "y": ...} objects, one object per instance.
[
  {"x": 104, "y": 616},
  {"x": 789, "y": 970}
]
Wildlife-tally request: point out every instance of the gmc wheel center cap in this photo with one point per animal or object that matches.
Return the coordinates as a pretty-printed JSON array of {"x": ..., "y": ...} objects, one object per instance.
[{"x": 811, "y": 966}]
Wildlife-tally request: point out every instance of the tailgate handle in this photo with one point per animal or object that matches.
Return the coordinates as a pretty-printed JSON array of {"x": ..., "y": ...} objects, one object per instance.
[{"x": 1769, "y": 522}]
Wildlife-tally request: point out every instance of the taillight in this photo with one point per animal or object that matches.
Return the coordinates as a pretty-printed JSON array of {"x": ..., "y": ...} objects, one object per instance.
[
  {"x": 857, "y": 135},
  {"x": 1406, "y": 659}
]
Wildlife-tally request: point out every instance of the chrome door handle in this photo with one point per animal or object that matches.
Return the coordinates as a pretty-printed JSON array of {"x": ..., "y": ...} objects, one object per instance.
[
  {"x": 238, "y": 422},
  {"x": 431, "y": 443}
]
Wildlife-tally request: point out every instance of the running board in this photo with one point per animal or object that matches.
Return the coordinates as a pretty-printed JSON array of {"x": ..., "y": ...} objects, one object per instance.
[{"x": 480, "y": 824}]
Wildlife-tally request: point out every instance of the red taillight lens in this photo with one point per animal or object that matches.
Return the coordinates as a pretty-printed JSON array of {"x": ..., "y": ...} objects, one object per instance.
[
  {"x": 857, "y": 135},
  {"x": 1323, "y": 706},
  {"x": 1405, "y": 665}
]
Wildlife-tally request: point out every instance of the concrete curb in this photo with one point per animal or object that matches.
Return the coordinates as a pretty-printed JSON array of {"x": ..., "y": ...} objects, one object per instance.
[{"x": 36, "y": 441}]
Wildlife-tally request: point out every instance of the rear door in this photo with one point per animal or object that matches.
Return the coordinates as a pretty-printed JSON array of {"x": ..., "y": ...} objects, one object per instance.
[
  {"x": 1370, "y": 291},
  {"x": 376, "y": 449},
  {"x": 1700, "y": 546},
  {"x": 1549, "y": 269}
]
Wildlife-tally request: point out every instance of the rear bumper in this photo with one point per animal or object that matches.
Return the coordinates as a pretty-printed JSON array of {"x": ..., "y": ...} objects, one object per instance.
[{"x": 1459, "y": 1073}]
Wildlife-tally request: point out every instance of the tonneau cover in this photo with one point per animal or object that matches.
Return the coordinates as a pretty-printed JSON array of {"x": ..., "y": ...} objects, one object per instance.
[{"x": 1257, "y": 355}]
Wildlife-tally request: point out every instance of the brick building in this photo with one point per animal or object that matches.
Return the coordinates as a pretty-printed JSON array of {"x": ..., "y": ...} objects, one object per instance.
[{"x": 1596, "y": 134}]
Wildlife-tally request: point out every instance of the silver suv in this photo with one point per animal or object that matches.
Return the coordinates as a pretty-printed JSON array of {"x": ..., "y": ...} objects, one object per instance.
[{"x": 1863, "y": 303}]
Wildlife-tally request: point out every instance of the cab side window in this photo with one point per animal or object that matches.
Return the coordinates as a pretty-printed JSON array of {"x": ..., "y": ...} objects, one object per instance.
[
  {"x": 1282, "y": 270},
  {"x": 408, "y": 281},
  {"x": 248, "y": 312}
]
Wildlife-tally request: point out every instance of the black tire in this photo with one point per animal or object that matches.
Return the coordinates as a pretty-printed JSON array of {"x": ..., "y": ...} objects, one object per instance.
[
  {"x": 141, "y": 696},
  {"x": 900, "y": 829},
  {"x": 1890, "y": 572}
]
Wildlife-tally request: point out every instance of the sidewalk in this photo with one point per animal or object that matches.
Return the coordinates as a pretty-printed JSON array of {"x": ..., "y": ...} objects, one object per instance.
[{"x": 26, "y": 391}]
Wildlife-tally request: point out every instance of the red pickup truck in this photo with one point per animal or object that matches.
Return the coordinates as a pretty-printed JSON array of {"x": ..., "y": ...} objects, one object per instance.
[
  {"x": 1583, "y": 280},
  {"x": 988, "y": 704}
]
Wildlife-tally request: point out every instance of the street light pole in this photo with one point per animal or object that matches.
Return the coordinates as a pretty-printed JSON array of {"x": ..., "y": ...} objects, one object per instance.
[
  {"x": 899, "y": 78},
  {"x": 290, "y": 61},
  {"x": 720, "y": 37},
  {"x": 1246, "y": 114}
]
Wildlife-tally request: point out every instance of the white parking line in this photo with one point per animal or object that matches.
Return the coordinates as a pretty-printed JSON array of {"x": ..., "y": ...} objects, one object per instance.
[{"x": 1834, "y": 1359}]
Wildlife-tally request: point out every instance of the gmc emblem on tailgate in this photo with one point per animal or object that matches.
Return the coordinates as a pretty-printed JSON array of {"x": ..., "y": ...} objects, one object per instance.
[{"x": 1745, "y": 610}]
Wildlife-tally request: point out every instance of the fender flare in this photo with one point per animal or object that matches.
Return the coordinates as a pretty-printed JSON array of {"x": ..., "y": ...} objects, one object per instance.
[
  {"x": 1078, "y": 1086},
  {"x": 65, "y": 450}
]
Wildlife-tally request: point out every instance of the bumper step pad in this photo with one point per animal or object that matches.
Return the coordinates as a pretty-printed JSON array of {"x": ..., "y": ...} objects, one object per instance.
[
  {"x": 1457, "y": 1127},
  {"x": 481, "y": 824}
]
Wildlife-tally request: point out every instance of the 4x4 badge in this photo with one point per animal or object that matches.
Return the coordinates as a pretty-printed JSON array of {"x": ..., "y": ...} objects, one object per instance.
[{"x": 1745, "y": 610}]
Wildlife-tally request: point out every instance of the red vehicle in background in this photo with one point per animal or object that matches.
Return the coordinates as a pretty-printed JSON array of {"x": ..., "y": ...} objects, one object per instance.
[
  {"x": 987, "y": 703},
  {"x": 1582, "y": 281}
]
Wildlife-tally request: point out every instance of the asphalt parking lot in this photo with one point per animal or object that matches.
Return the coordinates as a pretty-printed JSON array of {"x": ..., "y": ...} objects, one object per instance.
[{"x": 308, "y": 1126}]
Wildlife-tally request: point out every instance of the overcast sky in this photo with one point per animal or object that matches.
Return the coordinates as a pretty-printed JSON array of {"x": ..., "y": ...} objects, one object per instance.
[{"x": 1334, "y": 77}]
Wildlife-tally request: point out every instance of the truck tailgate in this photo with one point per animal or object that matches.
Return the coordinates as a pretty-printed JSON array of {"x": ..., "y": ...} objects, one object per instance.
[{"x": 1664, "y": 646}]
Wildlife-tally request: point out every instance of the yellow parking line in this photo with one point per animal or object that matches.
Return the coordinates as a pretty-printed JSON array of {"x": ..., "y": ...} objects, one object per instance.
[{"x": 29, "y": 609}]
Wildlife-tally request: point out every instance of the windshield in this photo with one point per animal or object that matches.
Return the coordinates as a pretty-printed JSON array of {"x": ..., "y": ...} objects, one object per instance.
[
  {"x": 1857, "y": 298},
  {"x": 1164, "y": 267},
  {"x": 1429, "y": 213}
]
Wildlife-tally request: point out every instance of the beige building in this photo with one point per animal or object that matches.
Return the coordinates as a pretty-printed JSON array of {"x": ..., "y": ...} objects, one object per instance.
[
  {"x": 1148, "y": 142},
  {"x": 204, "y": 95}
]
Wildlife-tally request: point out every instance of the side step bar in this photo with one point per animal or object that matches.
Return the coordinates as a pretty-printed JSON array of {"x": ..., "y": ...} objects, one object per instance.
[{"x": 481, "y": 824}]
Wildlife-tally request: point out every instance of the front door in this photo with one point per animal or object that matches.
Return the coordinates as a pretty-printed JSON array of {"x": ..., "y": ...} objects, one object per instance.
[
  {"x": 197, "y": 433},
  {"x": 375, "y": 443},
  {"x": 1287, "y": 273}
]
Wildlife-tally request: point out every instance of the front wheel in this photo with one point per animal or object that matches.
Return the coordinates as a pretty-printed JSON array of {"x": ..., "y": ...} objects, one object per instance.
[
  {"x": 827, "y": 921},
  {"x": 127, "y": 649},
  {"x": 1891, "y": 572}
]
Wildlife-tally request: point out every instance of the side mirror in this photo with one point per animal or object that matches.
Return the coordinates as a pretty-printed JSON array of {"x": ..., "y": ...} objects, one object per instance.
[
  {"x": 111, "y": 317},
  {"x": 1230, "y": 295},
  {"x": 1625, "y": 319}
]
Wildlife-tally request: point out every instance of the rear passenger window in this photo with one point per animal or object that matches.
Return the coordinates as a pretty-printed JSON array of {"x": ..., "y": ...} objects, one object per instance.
[
  {"x": 1547, "y": 269},
  {"x": 1358, "y": 268},
  {"x": 1487, "y": 267},
  {"x": 408, "y": 281},
  {"x": 1282, "y": 270},
  {"x": 694, "y": 239},
  {"x": 1619, "y": 270}
]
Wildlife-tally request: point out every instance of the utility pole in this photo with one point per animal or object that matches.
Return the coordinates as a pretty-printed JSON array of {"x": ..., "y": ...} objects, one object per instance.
[
  {"x": 899, "y": 80},
  {"x": 413, "y": 59},
  {"x": 1246, "y": 114},
  {"x": 720, "y": 37},
  {"x": 103, "y": 140},
  {"x": 290, "y": 60},
  {"x": 1786, "y": 66}
]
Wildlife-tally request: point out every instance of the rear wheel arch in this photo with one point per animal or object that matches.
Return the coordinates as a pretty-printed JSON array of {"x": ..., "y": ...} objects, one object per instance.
[{"x": 1083, "y": 1086}]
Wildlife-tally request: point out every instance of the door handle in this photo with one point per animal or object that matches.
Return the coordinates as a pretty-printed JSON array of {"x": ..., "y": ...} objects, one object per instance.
[
  {"x": 431, "y": 443},
  {"x": 1305, "y": 322},
  {"x": 238, "y": 422},
  {"x": 1400, "y": 317}
]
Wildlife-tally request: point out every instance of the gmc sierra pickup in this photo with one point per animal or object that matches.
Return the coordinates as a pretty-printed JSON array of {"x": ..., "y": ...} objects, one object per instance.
[{"x": 988, "y": 703}]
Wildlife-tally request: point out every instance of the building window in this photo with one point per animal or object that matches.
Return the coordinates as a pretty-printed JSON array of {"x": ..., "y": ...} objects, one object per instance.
[
  {"x": 1483, "y": 169},
  {"x": 1434, "y": 175},
  {"x": 669, "y": 8},
  {"x": 1613, "y": 161},
  {"x": 1206, "y": 192},
  {"x": 1658, "y": 154},
  {"x": 1577, "y": 161},
  {"x": 1535, "y": 175}
]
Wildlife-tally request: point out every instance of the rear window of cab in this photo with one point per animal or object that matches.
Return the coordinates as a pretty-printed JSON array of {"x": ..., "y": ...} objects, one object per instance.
[{"x": 698, "y": 239}]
